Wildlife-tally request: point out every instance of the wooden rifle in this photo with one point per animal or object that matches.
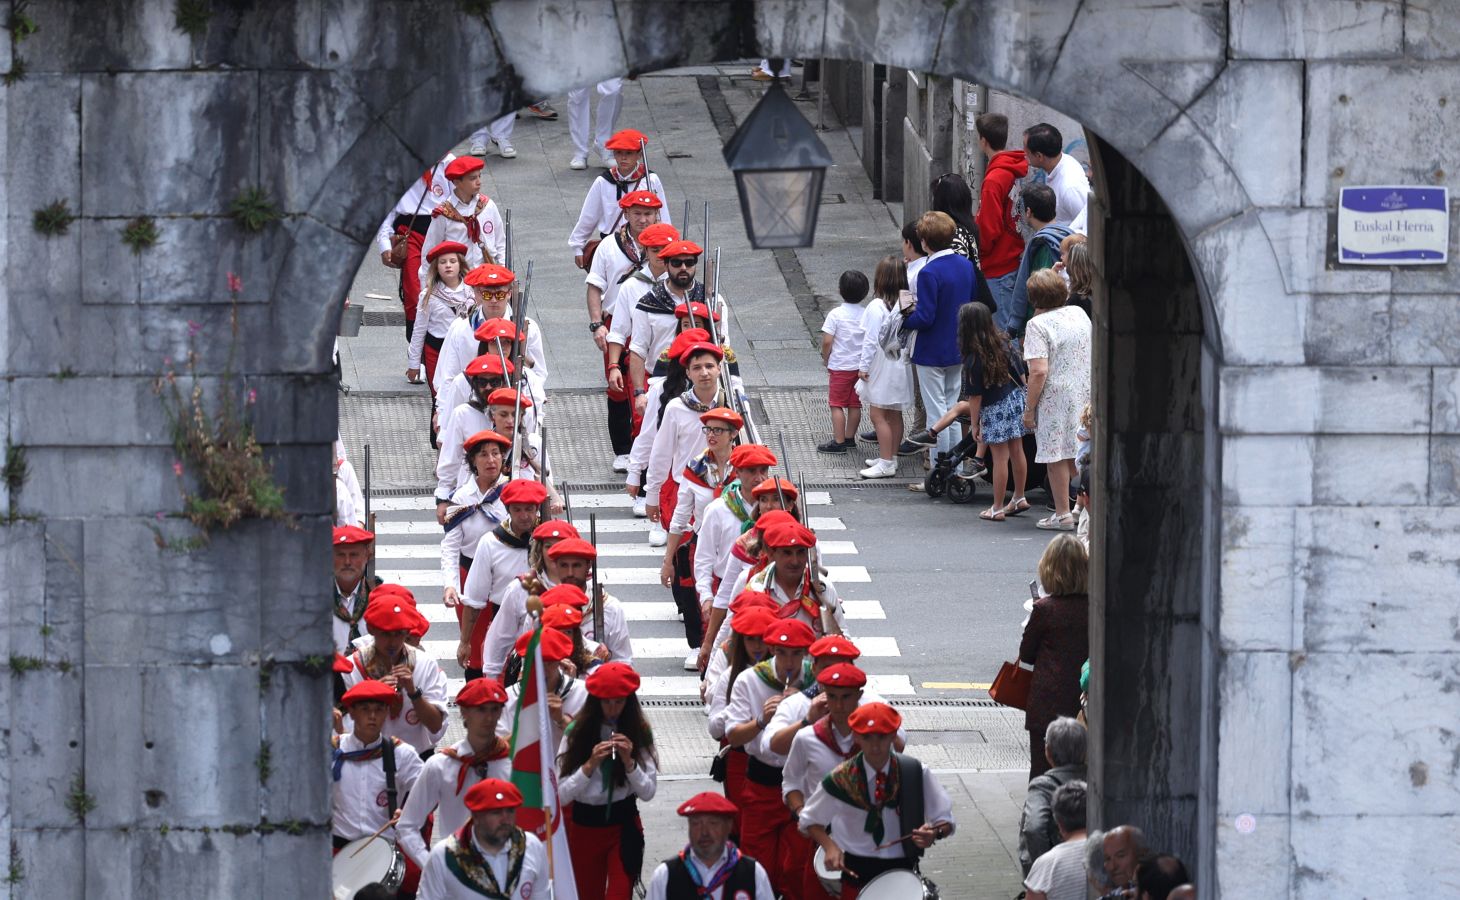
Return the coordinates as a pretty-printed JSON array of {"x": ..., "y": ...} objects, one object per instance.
[
  {"x": 596, "y": 595},
  {"x": 507, "y": 228},
  {"x": 735, "y": 398},
  {"x": 519, "y": 355}
]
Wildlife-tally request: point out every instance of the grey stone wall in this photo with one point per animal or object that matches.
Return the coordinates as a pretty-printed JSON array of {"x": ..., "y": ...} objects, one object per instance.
[{"x": 1318, "y": 596}]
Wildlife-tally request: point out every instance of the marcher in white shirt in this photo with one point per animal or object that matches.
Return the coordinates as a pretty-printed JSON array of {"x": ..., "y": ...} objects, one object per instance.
[
  {"x": 537, "y": 575},
  {"x": 661, "y": 310},
  {"x": 565, "y": 693},
  {"x": 600, "y": 214},
  {"x": 418, "y": 715},
  {"x": 460, "y": 390},
  {"x": 632, "y": 322},
  {"x": 452, "y": 771},
  {"x": 445, "y": 298},
  {"x": 468, "y": 217},
  {"x": 699, "y": 484},
  {"x": 493, "y": 287},
  {"x": 349, "y": 499},
  {"x": 411, "y": 218},
  {"x": 710, "y": 867},
  {"x": 723, "y": 521},
  {"x": 486, "y": 375},
  {"x": 490, "y": 856},
  {"x": 790, "y": 582},
  {"x": 802, "y": 710},
  {"x": 608, "y": 765},
  {"x": 476, "y": 508},
  {"x": 854, "y": 815},
  {"x": 610, "y": 102},
  {"x": 500, "y": 556},
  {"x": 364, "y": 797},
  {"x": 1044, "y": 148},
  {"x": 353, "y": 547},
  {"x": 745, "y": 648},
  {"x": 673, "y": 379},
  {"x": 775, "y": 501}
]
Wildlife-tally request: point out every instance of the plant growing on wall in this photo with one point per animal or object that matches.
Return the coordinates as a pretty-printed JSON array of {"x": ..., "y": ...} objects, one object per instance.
[
  {"x": 191, "y": 16},
  {"x": 21, "y": 26},
  {"x": 54, "y": 220},
  {"x": 253, "y": 210},
  {"x": 140, "y": 234},
  {"x": 215, "y": 441}
]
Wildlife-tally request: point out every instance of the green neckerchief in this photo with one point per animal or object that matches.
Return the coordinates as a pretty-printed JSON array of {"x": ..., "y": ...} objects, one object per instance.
[
  {"x": 737, "y": 504},
  {"x": 848, "y": 783},
  {"x": 766, "y": 671}
]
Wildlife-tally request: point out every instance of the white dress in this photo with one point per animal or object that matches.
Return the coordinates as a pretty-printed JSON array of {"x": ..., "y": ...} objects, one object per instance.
[
  {"x": 889, "y": 381},
  {"x": 1061, "y": 336}
]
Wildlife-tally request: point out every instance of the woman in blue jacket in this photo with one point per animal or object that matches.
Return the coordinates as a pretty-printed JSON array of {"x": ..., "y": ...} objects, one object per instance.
[{"x": 946, "y": 282}]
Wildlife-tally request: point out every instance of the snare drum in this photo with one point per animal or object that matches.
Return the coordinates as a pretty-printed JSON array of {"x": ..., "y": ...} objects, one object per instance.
[
  {"x": 898, "y": 884},
  {"x": 830, "y": 881},
  {"x": 366, "y": 861}
]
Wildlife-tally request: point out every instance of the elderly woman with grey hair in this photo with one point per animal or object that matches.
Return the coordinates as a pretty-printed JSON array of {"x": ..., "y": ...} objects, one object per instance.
[{"x": 1064, "y": 747}]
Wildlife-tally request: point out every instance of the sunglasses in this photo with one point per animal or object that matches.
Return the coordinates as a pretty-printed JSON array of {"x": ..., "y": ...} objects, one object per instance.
[
  {"x": 502, "y": 294},
  {"x": 682, "y": 262},
  {"x": 714, "y": 429}
]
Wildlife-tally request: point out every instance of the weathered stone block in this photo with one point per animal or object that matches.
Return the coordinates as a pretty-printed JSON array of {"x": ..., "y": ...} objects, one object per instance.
[
  {"x": 1253, "y": 734},
  {"x": 1444, "y": 470},
  {"x": 64, "y": 481},
  {"x": 1316, "y": 29},
  {"x": 23, "y": 594},
  {"x": 132, "y": 34},
  {"x": 48, "y": 333},
  {"x": 47, "y": 859},
  {"x": 1431, "y": 31},
  {"x": 284, "y": 35},
  {"x": 654, "y": 36},
  {"x": 297, "y": 409},
  {"x": 1253, "y": 864},
  {"x": 353, "y": 194},
  {"x": 44, "y": 751},
  {"x": 1292, "y": 400},
  {"x": 295, "y": 713},
  {"x": 114, "y": 718},
  {"x": 305, "y": 475},
  {"x": 1347, "y": 704},
  {"x": 1003, "y": 45},
  {"x": 1439, "y": 279},
  {"x": 1155, "y": 460},
  {"x": 1149, "y": 530},
  {"x": 570, "y": 32},
  {"x": 43, "y": 143},
  {"x": 300, "y": 308},
  {"x": 1163, "y": 366},
  {"x": 1305, "y": 245},
  {"x": 201, "y": 129},
  {"x": 207, "y": 773},
  {"x": 148, "y": 863},
  {"x": 895, "y": 34},
  {"x": 193, "y": 258},
  {"x": 1348, "y": 329},
  {"x": 293, "y": 624},
  {"x": 200, "y": 606},
  {"x": 1379, "y": 579},
  {"x": 789, "y": 28},
  {"x": 1353, "y": 107},
  {"x": 1170, "y": 160},
  {"x": 91, "y": 405},
  {"x": 1370, "y": 470},
  {"x": 1426, "y": 329},
  {"x": 1333, "y": 856},
  {"x": 1446, "y": 402},
  {"x": 1258, "y": 583},
  {"x": 1258, "y": 320},
  {"x": 1267, "y": 470},
  {"x": 297, "y": 865},
  {"x": 64, "y": 613},
  {"x": 1251, "y": 98}
]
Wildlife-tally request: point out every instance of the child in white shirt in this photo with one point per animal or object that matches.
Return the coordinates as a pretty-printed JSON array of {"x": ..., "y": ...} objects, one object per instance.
[{"x": 841, "y": 352}]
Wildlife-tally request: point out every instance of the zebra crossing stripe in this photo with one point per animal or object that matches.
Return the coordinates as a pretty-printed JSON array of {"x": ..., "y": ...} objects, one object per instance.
[
  {"x": 675, "y": 647},
  {"x": 422, "y": 579},
  {"x": 665, "y": 611},
  {"x": 580, "y": 501},
  {"x": 429, "y": 528},
  {"x": 606, "y": 550},
  {"x": 689, "y": 685}
]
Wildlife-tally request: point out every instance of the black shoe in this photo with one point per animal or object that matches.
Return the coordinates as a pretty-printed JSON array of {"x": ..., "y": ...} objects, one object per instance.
[
  {"x": 908, "y": 448},
  {"x": 832, "y": 446},
  {"x": 922, "y": 438},
  {"x": 868, "y": 436}
]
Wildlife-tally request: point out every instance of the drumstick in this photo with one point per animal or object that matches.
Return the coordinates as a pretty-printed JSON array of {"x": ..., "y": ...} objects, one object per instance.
[
  {"x": 898, "y": 841},
  {"x": 393, "y": 819}
]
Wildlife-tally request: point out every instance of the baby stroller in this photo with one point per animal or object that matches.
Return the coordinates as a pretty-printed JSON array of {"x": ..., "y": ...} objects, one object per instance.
[{"x": 946, "y": 476}]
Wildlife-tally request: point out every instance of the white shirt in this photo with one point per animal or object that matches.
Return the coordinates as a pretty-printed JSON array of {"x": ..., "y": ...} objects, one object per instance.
[
  {"x": 458, "y": 391},
  {"x": 437, "y": 882},
  {"x": 436, "y": 790},
  {"x": 848, "y": 824},
  {"x": 451, "y": 469},
  {"x": 676, "y": 440},
  {"x": 913, "y": 268},
  {"x": 460, "y": 347},
  {"x": 791, "y": 711},
  {"x": 602, "y": 214},
  {"x": 494, "y": 566},
  {"x": 659, "y": 881},
  {"x": 810, "y": 760},
  {"x": 732, "y": 580},
  {"x": 349, "y": 499},
  {"x": 642, "y": 782},
  {"x": 642, "y": 332},
  {"x": 1060, "y": 873},
  {"x": 470, "y": 530},
  {"x": 648, "y": 430},
  {"x": 489, "y": 221},
  {"x": 413, "y": 201},
  {"x": 718, "y": 529},
  {"x": 609, "y": 267},
  {"x": 689, "y": 506},
  {"x": 360, "y": 802},
  {"x": 844, "y": 324},
  {"x": 434, "y": 317},
  {"x": 717, "y": 704},
  {"x": 872, "y": 318},
  {"x": 1071, "y": 189},
  {"x": 509, "y": 621},
  {"x": 430, "y": 681},
  {"x": 831, "y": 604},
  {"x": 747, "y": 701},
  {"x": 573, "y": 702}
]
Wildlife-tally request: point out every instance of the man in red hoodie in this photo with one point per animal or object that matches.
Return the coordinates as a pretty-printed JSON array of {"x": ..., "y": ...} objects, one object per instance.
[{"x": 1000, "y": 243}]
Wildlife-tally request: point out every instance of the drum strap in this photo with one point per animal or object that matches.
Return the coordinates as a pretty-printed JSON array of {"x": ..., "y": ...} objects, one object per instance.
[
  {"x": 910, "y": 810},
  {"x": 387, "y": 759}
]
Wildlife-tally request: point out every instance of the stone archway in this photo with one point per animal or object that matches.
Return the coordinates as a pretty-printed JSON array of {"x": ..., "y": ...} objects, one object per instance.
[{"x": 328, "y": 109}]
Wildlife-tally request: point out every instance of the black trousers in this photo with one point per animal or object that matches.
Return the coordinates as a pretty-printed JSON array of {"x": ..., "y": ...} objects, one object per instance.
[
  {"x": 685, "y": 597},
  {"x": 621, "y": 425}
]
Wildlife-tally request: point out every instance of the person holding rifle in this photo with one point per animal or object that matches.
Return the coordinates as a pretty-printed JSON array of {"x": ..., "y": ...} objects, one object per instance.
[
  {"x": 476, "y": 508},
  {"x": 500, "y": 555},
  {"x": 601, "y": 214},
  {"x": 402, "y": 235},
  {"x": 661, "y": 307},
  {"x": 791, "y": 581},
  {"x": 471, "y": 337},
  {"x": 723, "y": 521},
  {"x": 485, "y": 374}
]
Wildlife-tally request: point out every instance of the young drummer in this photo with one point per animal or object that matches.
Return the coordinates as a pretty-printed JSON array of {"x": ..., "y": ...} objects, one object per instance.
[
  {"x": 453, "y": 770},
  {"x": 468, "y": 217},
  {"x": 860, "y": 814},
  {"x": 445, "y": 297},
  {"x": 500, "y": 556},
  {"x": 724, "y": 520},
  {"x": 369, "y": 786},
  {"x": 418, "y": 711},
  {"x": 490, "y": 856},
  {"x": 476, "y": 508},
  {"x": 710, "y": 867},
  {"x": 608, "y": 765}
]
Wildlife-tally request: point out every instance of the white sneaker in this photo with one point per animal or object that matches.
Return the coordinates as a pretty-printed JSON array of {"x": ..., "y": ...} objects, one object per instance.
[
  {"x": 578, "y": 162},
  {"x": 692, "y": 662},
  {"x": 880, "y": 469},
  {"x": 641, "y": 507},
  {"x": 621, "y": 463},
  {"x": 506, "y": 149},
  {"x": 478, "y": 148},
  {"x": 658, "y": 537}
]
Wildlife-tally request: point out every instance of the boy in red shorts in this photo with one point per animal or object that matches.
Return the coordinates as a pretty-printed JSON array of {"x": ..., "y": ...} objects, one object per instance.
[{"x": 841, "y": 352}]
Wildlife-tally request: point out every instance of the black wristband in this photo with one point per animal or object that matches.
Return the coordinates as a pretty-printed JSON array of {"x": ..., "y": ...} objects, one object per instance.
[
  {"x": 594, "y": 326},
  {"x": 414, "y": 695}
]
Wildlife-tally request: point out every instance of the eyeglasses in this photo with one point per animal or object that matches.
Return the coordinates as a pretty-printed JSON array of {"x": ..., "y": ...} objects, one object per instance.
[
  {"x": 715, "y": 429},
  {"x": 682, "y": 262}
]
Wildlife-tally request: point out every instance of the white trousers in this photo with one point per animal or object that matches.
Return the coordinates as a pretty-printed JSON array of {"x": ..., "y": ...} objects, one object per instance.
[
  {"x": 610, "y": 101},
  {"x": 499, "y": 130},
  {"x": 765, "y": 66}
]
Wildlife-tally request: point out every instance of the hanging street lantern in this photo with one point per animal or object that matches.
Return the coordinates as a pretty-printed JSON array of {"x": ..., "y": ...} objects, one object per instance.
[{"x": 780, "y": 166}]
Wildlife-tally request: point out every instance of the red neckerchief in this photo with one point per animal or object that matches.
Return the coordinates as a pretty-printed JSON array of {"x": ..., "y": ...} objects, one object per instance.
[
  {"x": 472, "y": 223},
  {"x": 500, "y": 750},
  {"x": 806, "y": 601},
  {"x": 822, "y": 729}
]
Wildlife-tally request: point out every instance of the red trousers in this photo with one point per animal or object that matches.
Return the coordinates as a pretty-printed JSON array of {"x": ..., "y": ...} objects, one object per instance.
[
  {"x": 735, "y": 763},
  {"x": 811, "y": 888},
  {"x": 623, "y": 366},
  {"x": 429, "y": 356},
  {"x": 410, "y": 284},
  {"x": 766, "y": 827},
  {"x": 598, "y": 870},
  {"x": 479, "y": 635}
]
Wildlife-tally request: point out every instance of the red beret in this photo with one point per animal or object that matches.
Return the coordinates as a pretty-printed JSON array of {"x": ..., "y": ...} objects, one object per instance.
[
  {"x": 789, "y": 534},
  {"x": 486, "y": 437},
  {"x": 556, "y": 646},
  {"x": 722, "y": 414},
  {"x": 612, "y": 681},
  {"x": 492, "y": 329},
  {"x": 835, "y": 645},
  {"x": 564, "y": 595},
  {"x": 505, "y": 396},
  {"x": 700, "y": 310},
  {"x": 523, "y": 490},
  {"x": 446, "y": 247},
  {"x": 750, "y": 600},
  {"x": 658, "y": 235},
  {"x": 554, "y": 528},
  {"x": 350, "y": 534},
  {"x": 640, "y": 198},
  {"x": 480, "y": 692},
  {"x": 680, "y": 248},
  {"x": 842, "y": 675},
  {"x": 390, "y": 613},
  {"x": 686, "y": 339},
  {"x": 875, "y": 718},
  {"x": 394, "y": 590},
  {"x": 462, "y": 165},
  {"x": 420, "y": 626},
  {"x": 562, "y": 617},
  {"x": 488, "y": 364},
  {"x": 708, "y": 804},
  {"x": 626, "y": 139},
  {"x": 768, "y": 488},
  {"x": 572, "y": 547},
  {"x": 700, "y": 347},
  {"x": 771, "y": 519},
  {"x": 792, "y": 633},
  {"x": 492, "y": 793},
  {"x": 369, "y": 691},
  {"x": 752, "y": 622},
  {"x": 342, "y": 664},
  {"x": 489, "y": 275},
  {"x": 746, "y": 455}
]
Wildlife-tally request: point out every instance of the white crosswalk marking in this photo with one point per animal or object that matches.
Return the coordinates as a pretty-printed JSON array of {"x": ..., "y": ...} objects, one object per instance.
[
  {"x": 580, "y": 502},
  {"x": 605, "y": 526},
  {"x": 689, "y": 685},
  {"x": 663, "y": 611},
  {"x": 605, "y": 551},
  {"x": 425, "y": 579},
  {"x": 675, "y": 648}
]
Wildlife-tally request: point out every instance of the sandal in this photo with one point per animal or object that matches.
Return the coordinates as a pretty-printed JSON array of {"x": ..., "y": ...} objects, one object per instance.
[
  {"x": 1057, "y": 522},
  {"x": 992, "y": 515},
  {"x": 1016, "y": 506}
]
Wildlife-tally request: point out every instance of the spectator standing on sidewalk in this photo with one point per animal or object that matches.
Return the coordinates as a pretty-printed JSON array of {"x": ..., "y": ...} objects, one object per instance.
[
  {"x": 1079, "y": 271},
  {"x": 1057, "y": 349},
  {"x": 1044, "y": 148},
  {"x": 841, "y": 349},
  {"x": 915, "y": 257},
  {"x": 886, "y": 379},
  {"x": 610, "y": 101},
  {"x": 1056, "y": 642},
  {"x": 1000, "y": 243},
  {"x": 1041, "y": 252},
  {"x": 951, "y": 195},
  {"x": 946, "y": 282},
  {"x": 1064, "y": 747},
  {"x": 1060, "y": 873}
]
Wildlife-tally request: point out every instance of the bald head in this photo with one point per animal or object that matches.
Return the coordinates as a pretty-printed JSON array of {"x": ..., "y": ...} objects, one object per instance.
[
  {"x": 1182, "y": 892},
  {"x": 1124, "y": 847}
]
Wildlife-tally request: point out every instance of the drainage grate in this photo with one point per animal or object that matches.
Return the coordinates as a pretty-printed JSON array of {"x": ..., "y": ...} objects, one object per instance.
[
  {"x": 832, "y": 199},
  {"x": 679, "y": 154},
  {"x": 671, "y": 703},
  {"x": 397, "y": 319}
]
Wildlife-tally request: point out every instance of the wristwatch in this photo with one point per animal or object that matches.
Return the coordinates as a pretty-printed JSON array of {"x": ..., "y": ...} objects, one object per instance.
[
  {"x": 414, "y": 695},
  {"x": 639, "y": 392},
  {"x": 594, "y": 326}
]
